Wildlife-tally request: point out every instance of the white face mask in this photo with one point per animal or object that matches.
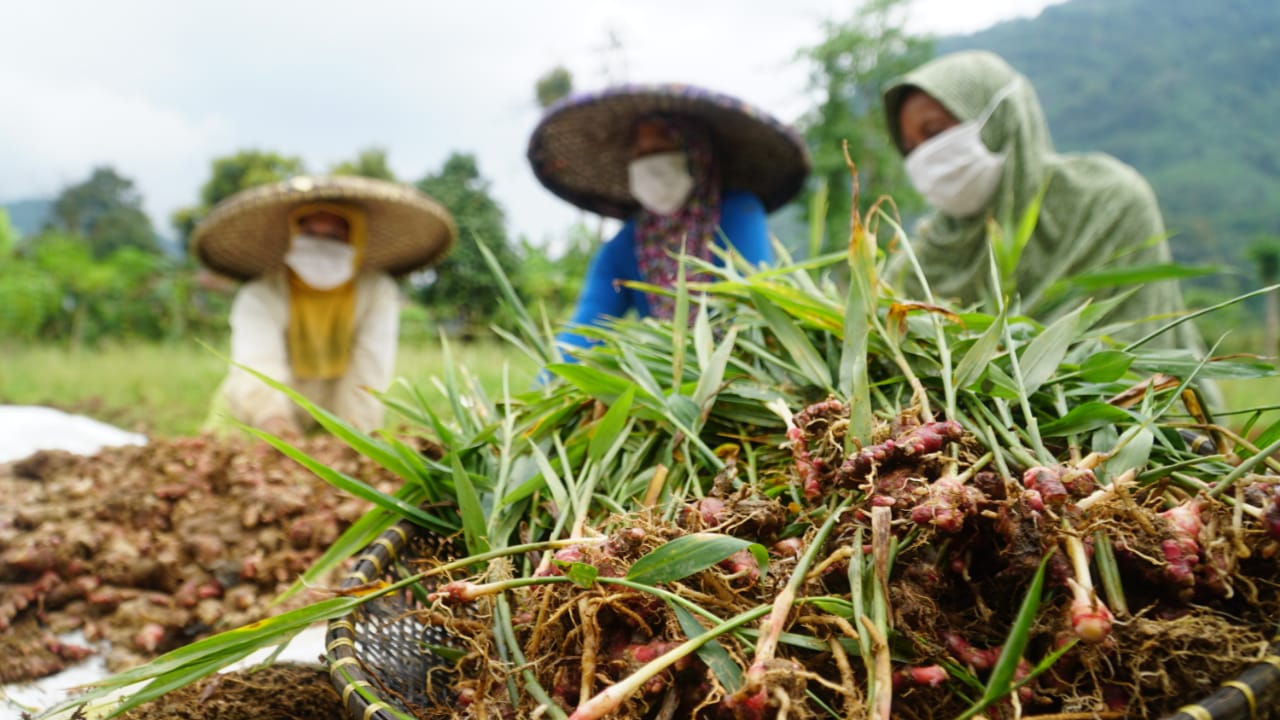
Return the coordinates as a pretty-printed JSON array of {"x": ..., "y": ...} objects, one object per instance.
[
  {"x": 321, "y": 263},
  {"x": 954, "y": 170},
  {"x": 660, "y": 182}
]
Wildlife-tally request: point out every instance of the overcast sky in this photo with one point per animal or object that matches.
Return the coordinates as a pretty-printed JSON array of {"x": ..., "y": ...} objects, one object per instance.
[{"x": 158, "y": 88}]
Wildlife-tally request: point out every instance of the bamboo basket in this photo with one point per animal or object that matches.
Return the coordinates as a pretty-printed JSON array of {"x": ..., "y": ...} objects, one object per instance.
[{"x": 379, "y": 657}]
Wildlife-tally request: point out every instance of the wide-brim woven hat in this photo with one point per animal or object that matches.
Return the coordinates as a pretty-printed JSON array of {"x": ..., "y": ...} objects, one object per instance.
[
  {"x": 581, "y": 147},
  {"x": 247, "y": 234}
]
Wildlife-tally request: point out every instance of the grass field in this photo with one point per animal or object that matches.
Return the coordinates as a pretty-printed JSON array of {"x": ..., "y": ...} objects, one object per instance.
[{"x": 164, "y": 389}]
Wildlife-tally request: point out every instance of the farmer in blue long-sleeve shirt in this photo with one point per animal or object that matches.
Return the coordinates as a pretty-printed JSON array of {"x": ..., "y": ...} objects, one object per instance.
[{"x": 687, "y": 169}]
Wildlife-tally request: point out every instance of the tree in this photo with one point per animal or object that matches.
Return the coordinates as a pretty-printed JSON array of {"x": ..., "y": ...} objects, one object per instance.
[
  {"x": 8, "y": 235},
  {"x": 28, "y": 297},
  {"x": 105, "y": 210},
  {"x": 848, "y": 70},
  {"x": 370, "y": 163},
  {"x": 554, "y": 282},
  {"x": 463, "y": 284},
  {"x": 229, "y": 175},
  {"x": 557, "y": 83},
  {"x": 68, "y": 261},
  {"x": 58, "y": 290},
  {"x": 1265, "y": 253}
]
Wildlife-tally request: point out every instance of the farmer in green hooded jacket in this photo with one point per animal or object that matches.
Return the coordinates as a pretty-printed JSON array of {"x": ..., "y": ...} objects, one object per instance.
[{"x": 977, "y": 147}]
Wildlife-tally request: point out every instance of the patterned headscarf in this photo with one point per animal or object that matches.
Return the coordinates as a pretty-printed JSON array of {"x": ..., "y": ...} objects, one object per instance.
[{"x": 659, "y": 237}]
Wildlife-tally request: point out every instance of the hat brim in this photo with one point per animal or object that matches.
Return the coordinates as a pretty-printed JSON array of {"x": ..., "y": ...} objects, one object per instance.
[
  {"x": 581, "y": 148},
  {"x": 247, "y": 234}
]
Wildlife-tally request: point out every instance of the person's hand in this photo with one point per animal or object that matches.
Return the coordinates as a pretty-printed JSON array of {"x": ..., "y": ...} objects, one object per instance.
[{"x": 282, "y": 427}]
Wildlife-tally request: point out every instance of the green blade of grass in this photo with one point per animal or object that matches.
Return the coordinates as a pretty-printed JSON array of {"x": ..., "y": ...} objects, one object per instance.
[
  {"x": 681, "y": 328},
  {"x": 202, "y": 657},
  {"x": 979, "y": 357},
  {"x": 605, "y": 433},
  {"x": 1000, "y": 683},
  {"x": 359, "y": 441},
  {"x": 1084, "y": 418},
  {"x": 441, "y": 429},
  {"x": 1133, "y": 453},
  {"x": 713, "y": 367},
  {"x": 1105, "y": 366},
  {"x": 1139, "y": 275},
  {"x": 546, "y": 353},
  {"x": 690, "y": 554},
  {"x": 854, "y": 383},
  {"x": 347, "y": 483},
  {"x": 1045, "y": 352},
  {"x": 1027, "y": 223},
  {"x": 555, "y": 485},
  {"x": 817, "y": 218},
  {"x": 596, "y": 383},
  {"x": 713, "y": 653},
  {"x": 794, "y": 341},
  {"x": 469, "y": 507},
  {"x": 1193, "y": 315}
]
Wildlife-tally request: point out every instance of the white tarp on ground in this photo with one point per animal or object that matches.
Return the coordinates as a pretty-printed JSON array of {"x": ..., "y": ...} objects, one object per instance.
[{"x": 25, "y": 429}]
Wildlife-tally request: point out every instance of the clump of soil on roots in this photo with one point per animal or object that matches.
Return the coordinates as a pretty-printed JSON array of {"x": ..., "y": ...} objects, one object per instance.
[{"x": 1202, "y": 583}]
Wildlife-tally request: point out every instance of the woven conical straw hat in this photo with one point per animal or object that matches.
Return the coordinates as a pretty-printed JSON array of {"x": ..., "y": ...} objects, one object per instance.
[{"x": 247, "y": 234}]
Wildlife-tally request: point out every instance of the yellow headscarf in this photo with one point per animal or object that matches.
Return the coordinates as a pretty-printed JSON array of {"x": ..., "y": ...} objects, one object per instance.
[{"x": 321, "y": 332}]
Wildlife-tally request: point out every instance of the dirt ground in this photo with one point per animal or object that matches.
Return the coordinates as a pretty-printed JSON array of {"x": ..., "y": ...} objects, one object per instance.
[{"x": 152, "y": 547}]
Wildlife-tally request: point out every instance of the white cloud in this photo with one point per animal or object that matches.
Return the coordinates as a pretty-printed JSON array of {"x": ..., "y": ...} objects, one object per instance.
[
  {"x": 54, "y": 135},
  {"x": 159, "y": 88}
]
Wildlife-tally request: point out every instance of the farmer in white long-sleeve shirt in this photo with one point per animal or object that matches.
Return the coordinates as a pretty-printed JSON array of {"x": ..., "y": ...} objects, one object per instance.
[{"x": 320, "y": 309}]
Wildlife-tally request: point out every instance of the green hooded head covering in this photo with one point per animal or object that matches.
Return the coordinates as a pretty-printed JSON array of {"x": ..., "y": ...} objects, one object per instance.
[{"x": 1096, "y": 213}]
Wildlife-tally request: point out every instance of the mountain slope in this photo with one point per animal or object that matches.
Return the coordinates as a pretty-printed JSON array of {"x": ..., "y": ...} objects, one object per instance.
[{"x": 28, "y": 216}]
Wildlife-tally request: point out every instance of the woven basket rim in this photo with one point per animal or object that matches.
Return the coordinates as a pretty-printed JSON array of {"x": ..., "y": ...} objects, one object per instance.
[{"x": 346, "y": 671}]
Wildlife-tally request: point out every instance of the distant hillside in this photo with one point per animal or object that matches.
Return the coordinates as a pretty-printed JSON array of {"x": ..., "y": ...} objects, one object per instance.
[
  {"x": 1186, "y": 91},
  {"x": 28, "y": 216}
]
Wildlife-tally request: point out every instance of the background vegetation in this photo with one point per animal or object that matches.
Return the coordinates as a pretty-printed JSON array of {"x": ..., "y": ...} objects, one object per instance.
[
  {"x": 164, "y": 389},
  {"x": 103, "y": 312}
]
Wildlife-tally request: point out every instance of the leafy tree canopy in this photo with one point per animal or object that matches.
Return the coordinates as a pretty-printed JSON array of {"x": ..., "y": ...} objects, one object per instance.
[
  {"x": 229, "y": 175},
  {"x": 8, "y": 235},
  {"x": 1264, "y": 251},
  {"x": 847, "y": 71},
  {"x": 463, "y": 282},
  {"x": 105, "y": 210},
  {"x": 370, "y": 163},
  {"x": 557, "y": 83},
  {"x": 552, "y": 282}
]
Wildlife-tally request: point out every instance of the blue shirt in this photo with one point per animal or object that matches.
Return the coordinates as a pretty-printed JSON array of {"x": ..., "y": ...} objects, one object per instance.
[{"x": 742, "y": 221}]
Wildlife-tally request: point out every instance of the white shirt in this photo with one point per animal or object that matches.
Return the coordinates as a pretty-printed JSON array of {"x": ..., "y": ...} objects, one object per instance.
[{"x": 259, "y": 322}]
